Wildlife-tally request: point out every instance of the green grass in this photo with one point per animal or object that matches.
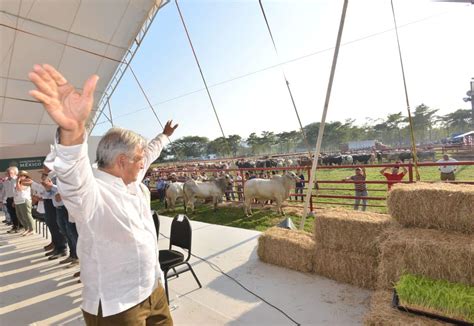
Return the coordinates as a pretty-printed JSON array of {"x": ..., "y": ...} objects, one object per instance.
[
  {"x": 447, "y": 299},
  {"x": 266, "y": 218},
  {"x": 261, "y": 219},
  {"x": 464, "y": 173}
]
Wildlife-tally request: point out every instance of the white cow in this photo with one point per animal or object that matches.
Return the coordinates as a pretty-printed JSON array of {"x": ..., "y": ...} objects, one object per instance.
[
  {"x": 215, "y": 188},
  {"x": 276, "y": 189},
  {"x": 172, "y": 193},
  {"x": 347, "y": 159}
]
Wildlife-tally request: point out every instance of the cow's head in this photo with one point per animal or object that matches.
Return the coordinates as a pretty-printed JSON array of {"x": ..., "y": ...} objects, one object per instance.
[
  {"x": 228, "y": 180},
  {"x": 293, "y": 176}
]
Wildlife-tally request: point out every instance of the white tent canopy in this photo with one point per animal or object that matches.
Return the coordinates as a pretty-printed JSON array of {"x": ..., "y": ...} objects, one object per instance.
[
  {"x": 80, "y": 38},
  {"x": 465, "y": 134}
]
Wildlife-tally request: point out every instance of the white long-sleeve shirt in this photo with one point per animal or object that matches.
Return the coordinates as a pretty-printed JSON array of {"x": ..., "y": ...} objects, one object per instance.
[
  {"x": 447, "y": 168},
  {"x": 38, "y": 190},
  {"x": 117, "y": 244},
  {"x": 9, "y": 186}
]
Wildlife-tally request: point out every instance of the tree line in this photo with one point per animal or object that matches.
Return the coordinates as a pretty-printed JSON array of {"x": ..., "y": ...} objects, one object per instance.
[{"x": 393, "y": 130}]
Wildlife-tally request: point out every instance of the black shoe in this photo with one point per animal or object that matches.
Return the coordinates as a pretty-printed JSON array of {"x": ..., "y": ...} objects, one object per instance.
[
  {"x": 49, "y": 247},
  {"x": 13, "y": 230},
  {"x": 9, "y": 223},
  {"x": 50, "y": 253},
  {"x": 57, "y": 255},
  {"x": 67, "y": 260}
]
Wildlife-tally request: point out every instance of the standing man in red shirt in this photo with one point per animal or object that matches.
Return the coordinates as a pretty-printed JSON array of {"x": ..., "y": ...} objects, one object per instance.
[{"x": 393, "y": 177}]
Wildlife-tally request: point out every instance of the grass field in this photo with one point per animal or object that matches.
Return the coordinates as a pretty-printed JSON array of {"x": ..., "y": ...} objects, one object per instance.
[
  {"x": 437, "y": 296},
  {"x": 233, "y": 215}
]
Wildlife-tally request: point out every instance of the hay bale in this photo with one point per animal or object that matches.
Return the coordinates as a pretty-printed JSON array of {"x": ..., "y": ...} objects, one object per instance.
[
  {"x": 341, "y": 229},
  {"x": 381, "y": 313},
  {"x": 287, "y": 248},
  {"x": 346, "y": 267},
  {"x": 437, "y": 206},
  {"x": 432, "y": 253}
]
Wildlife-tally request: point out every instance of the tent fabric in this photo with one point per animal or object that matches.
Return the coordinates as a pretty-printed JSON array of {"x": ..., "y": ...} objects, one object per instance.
[
  {"x": 80, "y": 38},
  {"x": 464, "y": 135}
]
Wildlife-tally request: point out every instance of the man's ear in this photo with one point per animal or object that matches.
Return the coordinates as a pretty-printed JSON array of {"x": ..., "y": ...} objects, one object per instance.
[{"x": 120, "y": 160}]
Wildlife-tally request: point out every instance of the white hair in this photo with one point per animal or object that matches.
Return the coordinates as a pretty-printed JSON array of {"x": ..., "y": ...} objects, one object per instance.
[
  {"x": 115, "y": 142},
  {"x": 14, "y": 169}
]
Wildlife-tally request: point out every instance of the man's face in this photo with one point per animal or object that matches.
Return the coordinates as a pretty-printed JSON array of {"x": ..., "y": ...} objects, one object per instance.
[
  {"x": 131, "y": 166},
  {"x": 446, "y": 157},
  {"x": 11, "y": 173},
  {"x": 395, "y": 171}
]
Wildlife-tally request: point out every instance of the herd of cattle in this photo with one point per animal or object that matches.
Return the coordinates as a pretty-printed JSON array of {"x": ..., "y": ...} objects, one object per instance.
[
  {"x": 324, "y": 159},
  {"x": 276, "y": 189}
]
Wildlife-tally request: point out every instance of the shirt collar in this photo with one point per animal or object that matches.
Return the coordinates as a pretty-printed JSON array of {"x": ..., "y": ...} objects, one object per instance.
[
  {"x": 109, "y": 178},
  {"x": 115, "y": 181}
]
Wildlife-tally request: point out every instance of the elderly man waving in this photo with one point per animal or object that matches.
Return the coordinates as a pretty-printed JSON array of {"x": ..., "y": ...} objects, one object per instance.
[{"x": 117, "y": 243}]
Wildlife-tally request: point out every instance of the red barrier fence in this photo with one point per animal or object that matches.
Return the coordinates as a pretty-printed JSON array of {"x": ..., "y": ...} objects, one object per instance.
[{"x": 307, "y": 169}]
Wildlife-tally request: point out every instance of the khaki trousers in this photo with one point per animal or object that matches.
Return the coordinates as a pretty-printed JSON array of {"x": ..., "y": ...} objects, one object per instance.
[
  {"x": 447, "y": 176},
  {"x": 153, "y": 311},
  {"x": 23, "y": 212}
]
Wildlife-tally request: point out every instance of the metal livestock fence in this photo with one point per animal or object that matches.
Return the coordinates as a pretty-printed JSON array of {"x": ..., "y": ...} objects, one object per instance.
[{"x": 322, "y": 192}]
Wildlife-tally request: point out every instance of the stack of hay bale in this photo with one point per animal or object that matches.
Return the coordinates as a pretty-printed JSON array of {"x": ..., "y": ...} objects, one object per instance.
[
  {"x": 287, "y": 248},
  {"x": 430, "y": 232},
  {"x": 344, "y": 247},
  {"x": 347, "y": 245},
  {"x": 436, "y": 240}
]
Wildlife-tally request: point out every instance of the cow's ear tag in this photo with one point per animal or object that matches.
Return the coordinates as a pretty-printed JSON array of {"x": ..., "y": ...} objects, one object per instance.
[{"x": 180, "y": 218}]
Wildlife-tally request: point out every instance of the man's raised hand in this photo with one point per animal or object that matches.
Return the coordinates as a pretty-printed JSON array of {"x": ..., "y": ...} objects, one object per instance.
[
  {"x": 66, "y": 106},
  {"x": 168, "y": 129}
]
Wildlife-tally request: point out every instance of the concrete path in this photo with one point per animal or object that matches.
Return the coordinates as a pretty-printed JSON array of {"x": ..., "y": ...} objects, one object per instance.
[{"x": 35, "y": 291}]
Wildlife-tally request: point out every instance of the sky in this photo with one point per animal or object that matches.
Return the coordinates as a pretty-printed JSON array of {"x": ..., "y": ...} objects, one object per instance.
[{"x": 245, "y": 74}]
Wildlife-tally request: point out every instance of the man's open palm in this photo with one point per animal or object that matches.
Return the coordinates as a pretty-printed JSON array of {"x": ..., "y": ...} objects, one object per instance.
[{"x": 66, "y": 106}]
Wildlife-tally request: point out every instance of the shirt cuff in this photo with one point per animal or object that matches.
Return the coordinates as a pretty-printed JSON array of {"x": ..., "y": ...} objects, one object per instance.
[
  {"x": 62, "y": 157},
  {"x": 163, "y": 139}
]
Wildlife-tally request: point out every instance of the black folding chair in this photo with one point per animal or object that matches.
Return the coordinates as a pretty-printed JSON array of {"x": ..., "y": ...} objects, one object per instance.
[
  {"x": 39, "y": 222},
  {"x": 156, "y": 220},
  {"x": 180, "y": 236}
]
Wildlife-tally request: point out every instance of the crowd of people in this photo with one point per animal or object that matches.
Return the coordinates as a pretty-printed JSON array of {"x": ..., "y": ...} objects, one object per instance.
[{"x": 25, "y": 200}]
